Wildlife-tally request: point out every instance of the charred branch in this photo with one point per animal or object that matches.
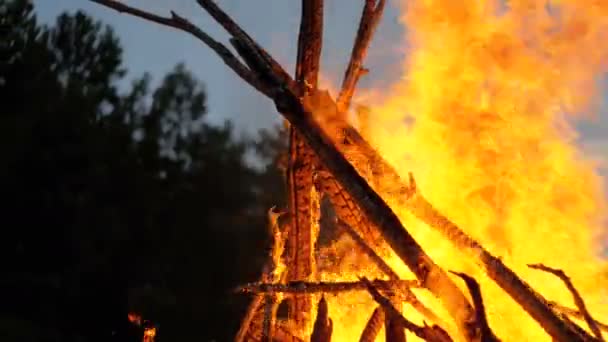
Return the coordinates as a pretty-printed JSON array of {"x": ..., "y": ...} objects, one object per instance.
[
  {"x": 372, "y": 12},
  {"x": 180, "y": 23},
  {"x": 252, "y": 309},
  {"x": 434, "y": 334},
  {"x": 301, "y": 287},
  {"x": 323, "y": 326},
  {"x": 578, "y": 299},
  {"x": 310, "y": 41},
  {"x": 270, "y": 309},
  {"x": 485, "y": 333},
  {"x": 393, "y": 329},
  {"x": 256, "y": 55},
  {"x": 576, "y": 314},
  {"x": 373, "y": 326}
]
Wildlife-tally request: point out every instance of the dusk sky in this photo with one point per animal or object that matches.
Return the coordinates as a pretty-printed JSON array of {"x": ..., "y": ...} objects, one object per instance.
[{"x": 274, "y": 23}]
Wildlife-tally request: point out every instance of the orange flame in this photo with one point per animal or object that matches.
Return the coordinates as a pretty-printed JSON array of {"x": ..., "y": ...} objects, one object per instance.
[{"x": 483, "y": 118}]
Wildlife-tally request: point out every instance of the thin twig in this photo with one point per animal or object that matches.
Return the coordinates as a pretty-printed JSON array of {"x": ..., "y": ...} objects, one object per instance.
[
  {"x": 486, "y": 334},
  {"x": 181, "y": 23},
  {"x": 373, "y": 326},
  {"x": 372, "y": 12},
  {"x": 297, "y": 287},
  {"x": 578, "y": 299},
  {"x": 576, "y": 314},
  {"x": 433, "y": 334}
]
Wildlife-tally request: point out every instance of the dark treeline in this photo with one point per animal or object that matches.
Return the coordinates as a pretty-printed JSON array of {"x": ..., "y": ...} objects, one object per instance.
[{"x": 119, "y": 201}]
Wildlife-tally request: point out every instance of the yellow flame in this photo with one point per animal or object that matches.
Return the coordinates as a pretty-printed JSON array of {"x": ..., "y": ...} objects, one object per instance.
[{"x": 482, "y": 117}]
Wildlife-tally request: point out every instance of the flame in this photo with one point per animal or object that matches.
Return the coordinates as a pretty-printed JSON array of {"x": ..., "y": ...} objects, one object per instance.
[{"x": 483, "y": 117}]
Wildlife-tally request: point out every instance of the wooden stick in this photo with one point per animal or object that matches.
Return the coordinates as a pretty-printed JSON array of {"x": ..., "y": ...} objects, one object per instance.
[
  {"x": 576, "y": 314},
  {"x": 260, "y": 55},
  {"x": 296, "y": 287},
  {"x": 310, "y": 43},
  {"x": 252, "y": 309},
  {"x": 485, "y": 333},
  {"x": 323, "y": 326},
  {"x": 270, "y": 309},
  {"x": 578, "y": 299},
  {"x": 434, "y": 334},
  {"x": 180, "y": 23},
  {"x": 372, "y": 12},
  {"x": 373, "y": 326}
]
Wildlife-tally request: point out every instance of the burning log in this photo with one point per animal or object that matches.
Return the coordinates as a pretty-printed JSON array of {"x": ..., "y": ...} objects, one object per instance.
[
  {"x": 485, "y": 333},
  {"x": 373, "y": 326},
  {"x": 302, "y": 160},
  {"x": 578, "y": 300},
  {"x": 323, "y": 326},
  {"x": 301, "y": 287},
  {"x": 431, "y": 334}
]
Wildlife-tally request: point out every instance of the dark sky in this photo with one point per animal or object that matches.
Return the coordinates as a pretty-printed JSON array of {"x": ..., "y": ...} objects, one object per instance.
[{"x": 274, "y": 23}]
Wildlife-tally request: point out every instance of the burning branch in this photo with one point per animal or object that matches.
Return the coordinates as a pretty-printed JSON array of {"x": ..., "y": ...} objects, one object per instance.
[
  {"x": 323, "y": 326},
  {"x": 485, "y": 333},
  {"x": 578, "y": 300},
  {"x": 372, "y": 12},
  {"x": 405, "y": 291},
  {"x": 180, "y": 23},
  {"x": 297, "y": 287},
  {"x": 373, "y": 326},
  {"x": 433, "y": 334},
  {"x": 576, "y": 314},
  {"x": 273, "y": 272}
]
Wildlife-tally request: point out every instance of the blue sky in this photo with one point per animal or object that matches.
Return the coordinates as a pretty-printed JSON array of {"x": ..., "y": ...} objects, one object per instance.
[{"x": 274, "y": 23}]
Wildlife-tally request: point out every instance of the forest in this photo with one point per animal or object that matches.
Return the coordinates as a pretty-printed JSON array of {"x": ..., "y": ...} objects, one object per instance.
[{"x": 119, "y": 201}]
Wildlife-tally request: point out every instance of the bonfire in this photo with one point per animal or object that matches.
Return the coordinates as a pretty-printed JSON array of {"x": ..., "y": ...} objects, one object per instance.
[{"x": 454, "y": 206}]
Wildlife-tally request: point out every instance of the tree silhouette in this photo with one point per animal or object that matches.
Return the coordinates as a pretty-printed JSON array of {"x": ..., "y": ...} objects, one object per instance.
[{"x": 119, "y": 201}]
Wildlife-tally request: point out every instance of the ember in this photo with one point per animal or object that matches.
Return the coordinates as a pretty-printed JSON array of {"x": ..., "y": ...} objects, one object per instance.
[{"x": 507, "y": 195}]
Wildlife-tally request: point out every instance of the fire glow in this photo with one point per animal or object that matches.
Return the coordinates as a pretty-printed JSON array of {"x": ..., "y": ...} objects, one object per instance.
[{"x": 486, "y": 90}]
